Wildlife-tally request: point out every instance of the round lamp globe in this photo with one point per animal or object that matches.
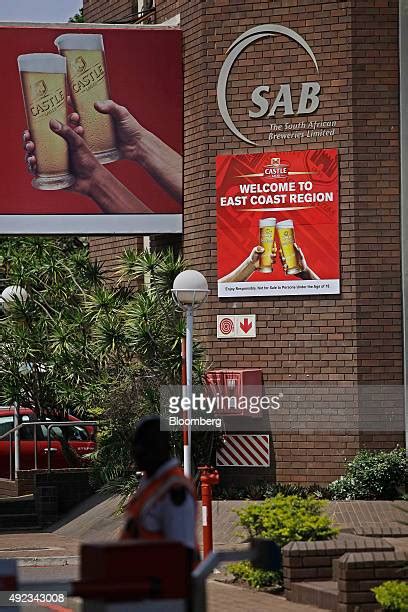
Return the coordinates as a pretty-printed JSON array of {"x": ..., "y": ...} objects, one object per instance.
[{"x": 190, "y": 287}]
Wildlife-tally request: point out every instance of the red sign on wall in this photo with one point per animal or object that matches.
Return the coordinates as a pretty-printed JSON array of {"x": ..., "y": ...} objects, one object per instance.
[{"x": 278, "y": 224}]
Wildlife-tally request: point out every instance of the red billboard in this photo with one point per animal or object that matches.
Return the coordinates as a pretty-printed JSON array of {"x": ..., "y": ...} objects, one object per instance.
[
  {"x": 278, "y": 223},
  {"x": 91, "y": 130}
]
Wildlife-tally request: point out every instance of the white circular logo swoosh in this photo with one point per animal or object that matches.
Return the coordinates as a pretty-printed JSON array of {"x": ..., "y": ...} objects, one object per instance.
[{"x": 241, "y": 43}]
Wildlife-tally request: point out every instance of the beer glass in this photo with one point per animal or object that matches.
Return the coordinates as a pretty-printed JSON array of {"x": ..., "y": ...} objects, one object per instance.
[
  {"x": 286, "y": 234},
  {"x": 88, "y": 83},
  {"x": 266, "y": 240},
  {"x": 43, "y": 81}
]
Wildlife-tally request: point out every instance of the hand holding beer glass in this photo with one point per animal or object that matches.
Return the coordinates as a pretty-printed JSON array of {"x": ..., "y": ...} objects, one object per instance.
[
  {"x": 43, "y": 81},
  {"x": 135, "y": 143},
  {"x": 252, "y": 263},
  {"x": 98, "y": 132},
  {"x": 292, "y": 257},
  {"x": 109, "y": 128},
  {"x": 88, "y": 83}
]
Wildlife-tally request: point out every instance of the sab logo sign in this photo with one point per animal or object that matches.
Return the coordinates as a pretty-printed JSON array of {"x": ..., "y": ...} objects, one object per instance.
[{"x": 309, "y": 93}]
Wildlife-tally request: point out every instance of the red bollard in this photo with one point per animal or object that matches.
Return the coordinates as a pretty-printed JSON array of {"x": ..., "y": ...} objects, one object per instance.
[{"x": 208, "y": 478}]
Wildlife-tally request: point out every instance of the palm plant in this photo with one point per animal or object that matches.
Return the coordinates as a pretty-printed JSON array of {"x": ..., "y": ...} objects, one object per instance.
[
  {"x": 47, "y": 354},
  {"x": 153, "y": 330},
  {"x": 81, "y": 346}
]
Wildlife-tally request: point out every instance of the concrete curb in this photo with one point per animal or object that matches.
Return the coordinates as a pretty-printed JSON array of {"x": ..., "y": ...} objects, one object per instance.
[{"x": 45, "y": 561}]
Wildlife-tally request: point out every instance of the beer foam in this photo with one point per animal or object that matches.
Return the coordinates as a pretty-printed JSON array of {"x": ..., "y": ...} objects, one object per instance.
[
  {"x": 50, "y": 63},
  {"x": 283, "y": 224},
  {"x": 79, "y": 42},
  {"x": 271, "y": 222}
]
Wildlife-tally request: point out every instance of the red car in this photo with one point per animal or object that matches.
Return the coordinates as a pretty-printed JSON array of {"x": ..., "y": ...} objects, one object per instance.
[{"x": 80, "y": 438}]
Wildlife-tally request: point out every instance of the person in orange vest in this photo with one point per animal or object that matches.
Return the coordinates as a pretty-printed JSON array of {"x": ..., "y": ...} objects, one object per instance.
[{"x": 164, "y": 506}]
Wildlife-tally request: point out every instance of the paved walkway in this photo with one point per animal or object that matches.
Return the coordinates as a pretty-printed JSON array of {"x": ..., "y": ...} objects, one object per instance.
[
  {"x": 42, "y": 546},
  {"x": 96, "y": 518},
  {"x": 230, "y": 598}
]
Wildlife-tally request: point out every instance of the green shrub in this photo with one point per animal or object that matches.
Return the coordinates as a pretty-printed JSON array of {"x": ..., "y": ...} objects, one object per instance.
[
  {"x": 373, "y": 475},
  {"x": 256, "y": 578},
  {"x": 392, "y": 595},
  {"x": 285, "y": 519},
  {"x": 261, "y": 489},
  {"x": 282, "y": 519},
  {"x": 313, "y": 490}
]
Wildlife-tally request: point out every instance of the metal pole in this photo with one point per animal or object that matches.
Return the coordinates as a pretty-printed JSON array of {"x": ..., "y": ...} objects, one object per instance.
[
  {"x": 16, "y": 442},
  {"x": 35, "y": 448},
  {"x": 184, "y": 391},
  {"x": 49, "y": 447},
  {"x": 206, "y": 500},
  {"x": 189, "y": 386},
  {"x": 11, "y": 456},
  {"x": 202, "y": 571}
]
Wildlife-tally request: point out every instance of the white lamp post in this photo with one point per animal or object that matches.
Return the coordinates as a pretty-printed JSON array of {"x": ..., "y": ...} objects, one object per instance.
[
  {"x": 190, "y": 290},
  {"x": 8, "y": 296}
]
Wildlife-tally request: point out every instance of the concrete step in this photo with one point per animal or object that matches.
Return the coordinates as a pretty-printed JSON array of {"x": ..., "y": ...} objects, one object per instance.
[
  {"x": 17, "y": 505},
  {"x": 13, "y": 522},
  {"x": 322, "y": 594},
  {"x": 8, "y": 488},
  {"x": 381, "y": 530}
]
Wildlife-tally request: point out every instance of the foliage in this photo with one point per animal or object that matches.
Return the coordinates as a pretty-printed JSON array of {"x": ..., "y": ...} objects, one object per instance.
[
  {"x": 81, "y": 346},
  {"x": 48, "y": 359},
  {"x": 392, "y": 595},
  {"x": 78, "y": 17},
  {"x": 286, "y": 519},
  {"x": 282, "y": 519},
  {"x": 373, "y": 475},
  {"x": 262, "y": 489},
  {"x": 152, "y": 329},
  {"x": 255, "y": 577}
]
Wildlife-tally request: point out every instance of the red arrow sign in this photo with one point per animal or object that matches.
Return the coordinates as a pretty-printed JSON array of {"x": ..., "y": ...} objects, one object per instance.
[{"x": 245, "y": 326}]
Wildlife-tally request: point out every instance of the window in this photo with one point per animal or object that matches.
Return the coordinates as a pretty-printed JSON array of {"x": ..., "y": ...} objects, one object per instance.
[
  {"x": 71, "y": 433},
  {"x": 6, "y": 423}
]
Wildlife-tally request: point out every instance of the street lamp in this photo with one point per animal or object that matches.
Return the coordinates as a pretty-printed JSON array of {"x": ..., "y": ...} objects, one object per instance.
[
  {"x": 8, "y": 296},
  {"x": 190, "y": 290}
]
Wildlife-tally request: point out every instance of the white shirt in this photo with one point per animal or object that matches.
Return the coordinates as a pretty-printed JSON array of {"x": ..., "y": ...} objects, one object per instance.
[{"x": 176, "y": 522}]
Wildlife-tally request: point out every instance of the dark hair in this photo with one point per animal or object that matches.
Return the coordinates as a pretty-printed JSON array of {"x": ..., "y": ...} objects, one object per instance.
[{"x": 148, "y": 433}]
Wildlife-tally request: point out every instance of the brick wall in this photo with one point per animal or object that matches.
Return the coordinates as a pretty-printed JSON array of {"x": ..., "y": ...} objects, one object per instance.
[
  {"x": 100, "y": 11},
  {"x": 107, "y": 250},
  {"x": 165, "y": 9},
  {"x": 336, "y": 341}
]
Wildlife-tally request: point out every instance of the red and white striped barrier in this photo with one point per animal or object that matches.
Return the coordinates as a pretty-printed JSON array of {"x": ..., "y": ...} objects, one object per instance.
[{"x": 244, "y": 450}]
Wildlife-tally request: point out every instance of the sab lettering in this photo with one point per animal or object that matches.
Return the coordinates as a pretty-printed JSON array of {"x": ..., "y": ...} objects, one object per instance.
[
  {"x": 48, "y": 104},
  {"x": 308, "y": 103}
]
